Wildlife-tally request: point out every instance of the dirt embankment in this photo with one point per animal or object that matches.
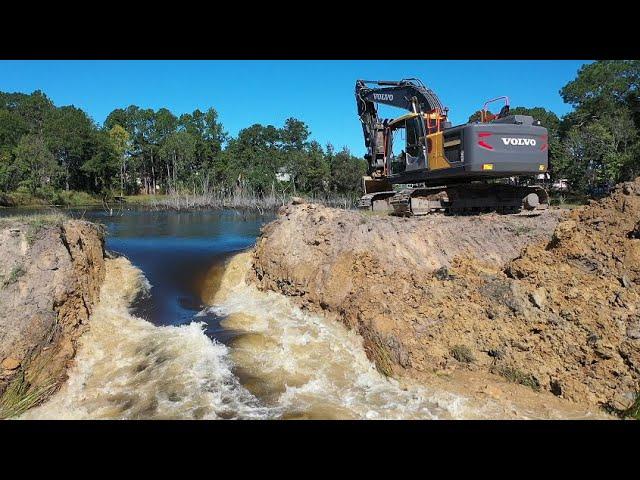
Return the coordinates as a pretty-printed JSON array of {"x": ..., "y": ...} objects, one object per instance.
[
  {"x": 463, "y": 294},
  {"x": 50, "y": 277}
]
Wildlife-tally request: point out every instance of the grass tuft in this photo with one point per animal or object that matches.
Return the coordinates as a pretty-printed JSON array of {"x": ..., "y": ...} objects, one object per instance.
[
  {"x": 381, "y": 356},
  {"x": 516, "y": 375},
  {"x": 13, "y": 277},
  {"x": 34, "y": 220},
  {"x": 20, "y": 396},
  {"x": 634, "y": 410},
  {"x": 519, "y": 229},
  {"x": 462, "y": 353}
]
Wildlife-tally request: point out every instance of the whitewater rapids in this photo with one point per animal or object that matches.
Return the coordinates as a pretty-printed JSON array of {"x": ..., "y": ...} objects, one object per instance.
[{"x": 282, "y": 363}]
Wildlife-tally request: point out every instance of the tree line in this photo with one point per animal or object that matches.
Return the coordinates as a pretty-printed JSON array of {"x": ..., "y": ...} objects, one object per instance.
[{"x": 46, "y": 149}]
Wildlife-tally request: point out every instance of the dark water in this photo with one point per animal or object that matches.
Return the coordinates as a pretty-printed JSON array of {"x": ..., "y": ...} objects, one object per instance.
[{"x": 175, "y": 250}]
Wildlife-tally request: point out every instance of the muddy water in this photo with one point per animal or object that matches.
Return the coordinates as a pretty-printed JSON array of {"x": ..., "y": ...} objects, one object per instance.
[
  {"x": 179, "y": 333},
  {"x": 280, "y": 363}
]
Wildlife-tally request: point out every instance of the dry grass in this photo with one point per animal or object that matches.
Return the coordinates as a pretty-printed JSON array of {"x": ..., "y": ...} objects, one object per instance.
[
  {"x": 243, "y": 201},
  {"x": 36, "y": 220},
  {"x": 214, "y": 200},
  {"x": 13, "y": 277},
  {"x": 515, "y": 375},
  {"x": 462, "y": 353},
  {"x": 34, "y": 223}
]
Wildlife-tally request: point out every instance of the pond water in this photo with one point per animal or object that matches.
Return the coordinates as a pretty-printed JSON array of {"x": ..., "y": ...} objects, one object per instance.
[{"x": 176, "y": 251}]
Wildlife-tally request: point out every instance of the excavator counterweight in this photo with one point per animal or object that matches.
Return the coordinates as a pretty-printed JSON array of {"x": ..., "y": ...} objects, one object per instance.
[{"x": 447, "y": 168}]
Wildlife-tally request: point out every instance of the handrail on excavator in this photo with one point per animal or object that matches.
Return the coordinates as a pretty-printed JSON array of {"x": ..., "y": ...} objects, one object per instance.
[{"x": 483, "y": 113}]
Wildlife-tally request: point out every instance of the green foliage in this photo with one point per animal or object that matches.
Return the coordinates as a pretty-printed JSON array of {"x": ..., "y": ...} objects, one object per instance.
[
  {"x": 13, "y": 276},
  {"x": 103, "y": 165},
  {"x": 34, "y": 166},
  {"x": 515, "y": 375},
  {"x": 476, "y": 116},
  {"x": 46, "y": 149},
  {"x": 120, "y": 139},
  {"x": 603, "y": 86},
  {"x": 179, "y": 154},
  {"x": 20, "y": 396},
  {"x": 600, "y": 139},
  {"x": 68, "y": 135},
  {"x": 346, "y": 171}
]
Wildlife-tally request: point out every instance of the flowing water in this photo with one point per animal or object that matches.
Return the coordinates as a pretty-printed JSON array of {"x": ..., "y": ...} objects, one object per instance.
[{"x": 178, "y": 333}]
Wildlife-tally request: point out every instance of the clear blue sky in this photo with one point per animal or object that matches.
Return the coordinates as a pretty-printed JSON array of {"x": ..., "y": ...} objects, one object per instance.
[{"x": 319, "y": 93}]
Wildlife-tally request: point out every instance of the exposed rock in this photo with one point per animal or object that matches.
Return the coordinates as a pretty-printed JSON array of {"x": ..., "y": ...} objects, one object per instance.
[
  {"x": 50, "y": 276},
  {"x": 633, "y": 330},
  {"x": 10, "y": 363},
  {"x": 555, "y": 387},
  {"x": 539, "y": 297}
]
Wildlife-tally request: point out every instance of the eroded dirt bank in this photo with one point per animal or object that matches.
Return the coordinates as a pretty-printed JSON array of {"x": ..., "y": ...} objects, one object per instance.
[
  {"x": 50, "y": 277},
  {"x": 559, "y": 316}
]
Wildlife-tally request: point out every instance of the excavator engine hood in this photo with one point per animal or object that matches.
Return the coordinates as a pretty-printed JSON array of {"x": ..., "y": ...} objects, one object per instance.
[{"x": 512, "y": 144}]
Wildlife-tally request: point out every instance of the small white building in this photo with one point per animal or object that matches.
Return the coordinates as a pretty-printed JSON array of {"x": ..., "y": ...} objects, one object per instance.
[
  {"x": 560, "y": 185},
  {"x": 282, "y": 175}
]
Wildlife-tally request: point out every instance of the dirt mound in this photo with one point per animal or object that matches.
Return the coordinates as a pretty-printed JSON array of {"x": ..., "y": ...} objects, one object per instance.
[
  {"x": 309, "y": 240},
  {"x": 585, "y": 285},
  {"x": 444, "y": 294}
]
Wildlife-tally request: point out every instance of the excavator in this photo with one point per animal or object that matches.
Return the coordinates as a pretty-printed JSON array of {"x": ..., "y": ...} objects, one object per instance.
[{"x": 451, "y": 169}]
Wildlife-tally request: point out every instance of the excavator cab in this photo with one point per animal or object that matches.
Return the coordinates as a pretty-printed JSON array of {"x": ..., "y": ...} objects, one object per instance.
[
  {"x": 420, "y": 136},
  {"x": 406, "y": 134}
]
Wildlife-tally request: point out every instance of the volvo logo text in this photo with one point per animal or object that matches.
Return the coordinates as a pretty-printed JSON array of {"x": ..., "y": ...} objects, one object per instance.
[
  {"x": 383, "y": 96},
  {"x": 519, "y": 141}
]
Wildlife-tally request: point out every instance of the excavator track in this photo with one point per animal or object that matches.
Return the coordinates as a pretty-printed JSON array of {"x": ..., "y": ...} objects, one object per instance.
[
  {"x": 378, "y": 201},
  {"x": 469, "y": 199}
]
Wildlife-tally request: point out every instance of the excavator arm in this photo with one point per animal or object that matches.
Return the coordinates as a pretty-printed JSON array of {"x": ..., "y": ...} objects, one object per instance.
[{"x": 408, "y": 94}]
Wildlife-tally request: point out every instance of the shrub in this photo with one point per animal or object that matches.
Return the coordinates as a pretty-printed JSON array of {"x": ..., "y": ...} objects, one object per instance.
[
  {"x": 516, "y": 375},
  {"x": 462, "y": 353}
]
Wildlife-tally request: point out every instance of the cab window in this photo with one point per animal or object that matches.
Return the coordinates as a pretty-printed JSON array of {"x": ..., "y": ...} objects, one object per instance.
[{"x": 414, "y": 148}]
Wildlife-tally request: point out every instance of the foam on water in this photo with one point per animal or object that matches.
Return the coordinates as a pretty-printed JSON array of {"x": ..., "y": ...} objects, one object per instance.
[
  {"x": 283, "y": 363},
  {"x": 128, "y": 368},
  {"x": 311, "y": 366}
]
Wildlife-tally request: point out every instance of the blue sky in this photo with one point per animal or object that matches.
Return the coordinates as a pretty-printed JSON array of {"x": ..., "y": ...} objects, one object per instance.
[{"x": 319, "y": 93}]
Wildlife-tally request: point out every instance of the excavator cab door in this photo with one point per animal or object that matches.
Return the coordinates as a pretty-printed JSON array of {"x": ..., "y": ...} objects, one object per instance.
[
  {"x": 416, "y": 151},
  {"x": 395, "y": 152}
]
